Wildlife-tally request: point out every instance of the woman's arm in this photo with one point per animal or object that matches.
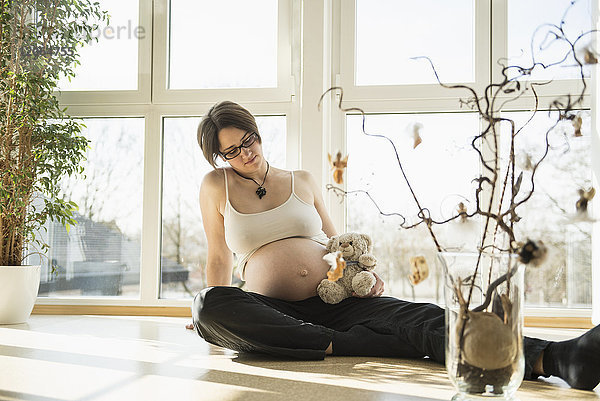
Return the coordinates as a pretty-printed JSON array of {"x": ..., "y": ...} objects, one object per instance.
[
  {"x": 219, "y": 261},
  {"x": 328, "y": 227}
]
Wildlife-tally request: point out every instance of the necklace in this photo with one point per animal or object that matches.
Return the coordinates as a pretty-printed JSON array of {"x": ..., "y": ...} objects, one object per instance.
[{"x": 260, "y": 191}]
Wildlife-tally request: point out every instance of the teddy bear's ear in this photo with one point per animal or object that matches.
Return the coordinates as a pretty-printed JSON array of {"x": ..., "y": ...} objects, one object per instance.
[
  {"x": 332, "y": 241},
  {"x": 369, "y": 242}
]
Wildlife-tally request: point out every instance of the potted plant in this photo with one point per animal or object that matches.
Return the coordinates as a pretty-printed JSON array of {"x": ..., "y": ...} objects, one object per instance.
[
  {"x": 39, "y": 42},
  {"x": 484, "y": 289}
]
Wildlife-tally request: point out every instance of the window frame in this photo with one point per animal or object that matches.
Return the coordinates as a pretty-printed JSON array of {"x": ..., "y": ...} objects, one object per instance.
[
  {"x": 143, "y": 93},
  {"x": 318, "y": 55},
  {"x": 413, "y": 97},
  {"x": 491, "y": 18},
  {"x": 162, "y": 94},
  {"x": 595, "y": 109},
  {"x": 154, "y": 105}
]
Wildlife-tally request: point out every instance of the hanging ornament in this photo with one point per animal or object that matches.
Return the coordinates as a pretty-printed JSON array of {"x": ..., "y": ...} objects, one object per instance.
[
  {"x": 338, "y": 165},
  {"x": 577, "y": 121},
  {"x": 419, "y": 270},
  {"x": 415, "y": 133},
  {"x": 462, "y": 212},
  {"x": 589, "y": 56},
  {"x": 584, "y": 198}
]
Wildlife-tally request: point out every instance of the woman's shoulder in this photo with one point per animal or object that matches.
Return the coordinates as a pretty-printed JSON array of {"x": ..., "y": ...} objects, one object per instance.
[
  {"x": 284, "y": 173},
  {"x": 305, "y": 179},
  {"x": 305, "y": 176},
  {"x": 213, "y": 181},
  {"x": 214, "y": 176}
]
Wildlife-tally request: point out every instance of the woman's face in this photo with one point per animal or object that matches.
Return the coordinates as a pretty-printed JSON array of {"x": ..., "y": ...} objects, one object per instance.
[{"x": 249, "y": 158}]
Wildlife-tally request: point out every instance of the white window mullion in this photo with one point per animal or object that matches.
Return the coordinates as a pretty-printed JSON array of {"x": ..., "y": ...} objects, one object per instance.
[
  {"x": 293, "y": 123},
  {"x": 160, "y": 53},
  {"x": 145, "y": 52},
  {"x": 499, "y": 37},
  {"x": 313, "y": 83},
  {"x": 151, "y": 221},
  {"x": 336, "y": 121},
  {"x": 285, "y": 78},
  {"x": 595, "y": 84}
]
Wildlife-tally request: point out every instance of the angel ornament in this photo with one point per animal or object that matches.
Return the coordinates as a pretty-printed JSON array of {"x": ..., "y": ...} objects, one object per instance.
[{"x": 338, "y": 165}]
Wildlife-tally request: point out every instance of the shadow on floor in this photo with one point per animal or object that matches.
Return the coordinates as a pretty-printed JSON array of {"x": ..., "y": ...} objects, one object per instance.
[{"x": 365, "y": 369}]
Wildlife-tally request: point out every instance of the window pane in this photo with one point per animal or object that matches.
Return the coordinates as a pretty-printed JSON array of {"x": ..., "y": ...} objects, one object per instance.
[
  {"x": 112, "y": 62},
  {"x": 223, "y": 44},
  {"x": 565, "y": 279},
  {"x": 440, "y": 171},
  {"x": 183, "y": 251},
  {"x": 525, "y": 32},
  {"x": 101, "y": 254},
  {"x": 389, "y": 33}
]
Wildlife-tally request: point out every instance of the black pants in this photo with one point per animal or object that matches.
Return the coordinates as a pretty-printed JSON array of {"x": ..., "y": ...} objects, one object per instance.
[{"x": 384, "y": 326}]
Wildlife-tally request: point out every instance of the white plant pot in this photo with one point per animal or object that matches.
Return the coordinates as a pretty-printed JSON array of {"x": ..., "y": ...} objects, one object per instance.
[{"x": 18, "y": 291}]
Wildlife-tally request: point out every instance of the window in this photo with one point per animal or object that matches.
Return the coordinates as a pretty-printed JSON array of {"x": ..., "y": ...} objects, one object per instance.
[
  {"x": 528, "y": 31},
  {"x": 377, "y": 39},
  {"x": 208, "y": 50},
  {"x": 140, "y": 90},
  {"x": 440, "y": 170},
  {"x": 380, "y": 40},
  {"x": 111, "y": 62},
  {"x": 100, "y": 256},
  {"x": 390, "y": 33},
  {"x": 566, "y": 279},
  {"x": 275, "y": 57}
]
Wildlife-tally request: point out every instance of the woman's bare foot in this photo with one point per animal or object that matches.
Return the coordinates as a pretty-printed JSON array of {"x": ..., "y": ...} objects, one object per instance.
[{"x": 189, "y": 326}]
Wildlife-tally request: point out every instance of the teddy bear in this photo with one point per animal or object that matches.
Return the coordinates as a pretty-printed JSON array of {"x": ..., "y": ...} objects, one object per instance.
[{"x": 355, "y": 249}]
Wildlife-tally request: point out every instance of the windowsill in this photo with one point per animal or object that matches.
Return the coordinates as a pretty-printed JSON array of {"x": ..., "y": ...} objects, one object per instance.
[{"x": 539, "y": 317}]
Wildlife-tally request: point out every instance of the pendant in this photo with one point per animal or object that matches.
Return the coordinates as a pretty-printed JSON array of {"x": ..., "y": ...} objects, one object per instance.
[{"x": 261, "y": 191}]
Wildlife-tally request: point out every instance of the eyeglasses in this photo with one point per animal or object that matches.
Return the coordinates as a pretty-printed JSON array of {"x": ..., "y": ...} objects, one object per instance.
[{"x": 246, "y": 143}]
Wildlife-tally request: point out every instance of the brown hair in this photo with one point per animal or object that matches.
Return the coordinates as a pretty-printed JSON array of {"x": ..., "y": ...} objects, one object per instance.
[{"x": 222, "y": 115}]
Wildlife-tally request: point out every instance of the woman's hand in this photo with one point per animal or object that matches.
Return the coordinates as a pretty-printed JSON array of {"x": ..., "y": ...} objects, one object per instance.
[{"x": 376, "y": 291}]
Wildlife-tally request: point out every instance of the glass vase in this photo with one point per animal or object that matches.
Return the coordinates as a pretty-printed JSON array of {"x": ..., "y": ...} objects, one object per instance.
[{"x": 484, "y": 343}]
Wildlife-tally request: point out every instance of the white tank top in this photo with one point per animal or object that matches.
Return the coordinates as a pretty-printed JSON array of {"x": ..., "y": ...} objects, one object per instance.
[{"x": 245, "y": 233}]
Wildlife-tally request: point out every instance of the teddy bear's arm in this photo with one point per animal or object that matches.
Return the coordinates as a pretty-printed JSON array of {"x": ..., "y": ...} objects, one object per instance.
[
  {"x": 367, "y": 261},
  {"x": 363, "y": 283}
]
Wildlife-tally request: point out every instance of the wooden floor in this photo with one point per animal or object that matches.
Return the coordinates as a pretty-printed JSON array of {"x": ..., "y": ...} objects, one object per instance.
[{"x": 88, "y": 358}]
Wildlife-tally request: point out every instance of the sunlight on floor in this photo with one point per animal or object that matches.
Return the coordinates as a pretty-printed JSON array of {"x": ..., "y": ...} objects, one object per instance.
[{"x": 153, "y": 358}]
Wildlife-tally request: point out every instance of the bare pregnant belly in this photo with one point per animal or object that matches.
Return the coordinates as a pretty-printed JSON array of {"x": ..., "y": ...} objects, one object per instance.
[{"x": 289, "y": 269}]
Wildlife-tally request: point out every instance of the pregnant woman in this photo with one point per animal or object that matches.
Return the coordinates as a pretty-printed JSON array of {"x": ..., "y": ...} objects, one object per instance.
[{"x": 276, "y": 223}]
